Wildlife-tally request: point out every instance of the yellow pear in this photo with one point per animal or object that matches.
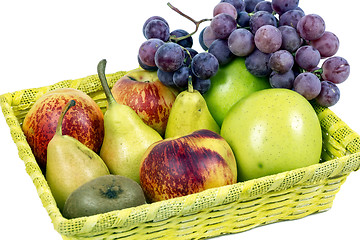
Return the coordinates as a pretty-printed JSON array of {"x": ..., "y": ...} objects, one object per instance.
[
  {"x": 70, "y": 163},
  {"x": 126, "y": 135},
  {"x": 188, "y": 114}
]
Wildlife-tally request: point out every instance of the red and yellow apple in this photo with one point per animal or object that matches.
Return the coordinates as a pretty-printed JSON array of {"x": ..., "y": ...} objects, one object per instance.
[
  {"x": 85, "y": 121},
  {"x": 180, "y": 166},
  {"x": 147, "y": 96}
]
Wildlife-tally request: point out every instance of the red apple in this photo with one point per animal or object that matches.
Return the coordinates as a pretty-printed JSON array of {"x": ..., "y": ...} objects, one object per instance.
[
  {"x": 177, "y": 167},
  {"x": 147, "y": 96},
  {"x": 84, "y": 121}
]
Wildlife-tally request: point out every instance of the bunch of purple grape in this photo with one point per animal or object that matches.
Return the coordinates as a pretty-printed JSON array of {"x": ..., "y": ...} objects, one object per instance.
[
  {"x": 277, "y": 39},
  {"x": 172, "y": 56},
  {"x": 281, "y": 42}
]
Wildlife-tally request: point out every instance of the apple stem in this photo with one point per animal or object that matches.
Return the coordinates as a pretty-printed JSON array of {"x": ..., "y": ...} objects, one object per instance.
[
  {"x": 61, "y": 118},
  {"x": 101, "y": 73},
  {"x": 197, "y": 23},
  {"x": 190, "y": 85}
]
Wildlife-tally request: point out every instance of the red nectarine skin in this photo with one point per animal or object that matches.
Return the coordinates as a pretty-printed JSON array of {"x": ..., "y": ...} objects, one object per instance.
[
  {"x": 152, "y": 101},
  {"x": 180, "y": 167},
  {"x": 84, "y": 121}
]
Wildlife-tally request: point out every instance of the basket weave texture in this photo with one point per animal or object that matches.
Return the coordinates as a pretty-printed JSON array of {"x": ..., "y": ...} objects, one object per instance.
[{"x": 229, "y": 209}]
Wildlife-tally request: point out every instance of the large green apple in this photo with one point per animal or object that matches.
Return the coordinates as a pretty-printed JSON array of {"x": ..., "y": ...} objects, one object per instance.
[
  {"x": 231, "y": 83},
  {"x": 272, "y": 131}
]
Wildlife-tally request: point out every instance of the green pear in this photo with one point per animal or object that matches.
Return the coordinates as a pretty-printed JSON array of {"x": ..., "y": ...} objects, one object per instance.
[
  {"x": 188, "y": 114},
  {"x": 126, "y": 136},
  {"x": 70, "y": 163}
]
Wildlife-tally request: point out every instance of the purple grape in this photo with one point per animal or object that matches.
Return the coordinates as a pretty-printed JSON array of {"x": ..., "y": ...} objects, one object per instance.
[
  {"x": 308, "y": 85},
  {"x": 243, "y": 19},
  {"x": 257, "y": 63},
  {"x": 204, "y": 65},
  {"x": 300, "y": 9},
  {"x": 307, "y": 57},
  {"x": 222, "y": 25},
  {"x": 146, "y": 67},
  {"x": 238, "y": 4},
  {"x": 169, "y": 57},
  {"x": 157, "y": 29},
  {"x": 181, "y": 77},
  {"x": 291, "y": 18},
  {"x": 329, "y": 94},
  {"x": 241, "y": 42},
  {"x": 335, "y": 69},
  {"x": 268, "y": 39},
  {"x": 291, "y": 41},
  {"x": 282, "y": 80},
  {"x": 327, "y": 45},
  {"x": 187, "y": 42},
  {"x": 281, "y": 61},
  {"x": 192, "y": 52},
  {"x": 153, "y": 18},
  {"x": 224, "y": 7},
  {"x": 260, "y": 19},
  {"x": 189, "y": 55},
  {"x": 201, "y": 85},
  {"x": 148, "y": 49},
  {"x": 311, "y": 27},
  {"x": 250, "y": 5},
  {"x": 282, "y": 6},
  {"x": 220, "y": 49},
  {"x": 201, "y": 40},
  {"x": 208, "y": 36},
  {"x": 166, "y": 78},
  {"x": 264, "y": 6}
]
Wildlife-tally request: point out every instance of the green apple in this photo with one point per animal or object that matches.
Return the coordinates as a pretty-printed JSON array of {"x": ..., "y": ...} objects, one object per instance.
[
  {"x": 272, "y": 131},
  {"x": 231, "y": 83}
]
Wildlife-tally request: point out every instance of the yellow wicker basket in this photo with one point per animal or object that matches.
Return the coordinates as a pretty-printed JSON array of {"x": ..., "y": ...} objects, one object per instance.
[{"x": 229, "y": 209}]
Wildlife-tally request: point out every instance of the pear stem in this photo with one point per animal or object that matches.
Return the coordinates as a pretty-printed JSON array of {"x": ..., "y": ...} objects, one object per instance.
[
  {"x": 61, "y": 118},
  {"x": 101, "y": 73},
  {"x": 190, "y": 85}
]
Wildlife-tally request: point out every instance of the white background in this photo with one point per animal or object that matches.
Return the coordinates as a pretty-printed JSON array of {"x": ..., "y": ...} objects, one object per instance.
[{"x": 44, "y": 42}]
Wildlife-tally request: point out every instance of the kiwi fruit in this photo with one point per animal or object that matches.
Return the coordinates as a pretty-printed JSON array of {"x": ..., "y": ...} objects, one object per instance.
[{"x": 103, "y": 194}]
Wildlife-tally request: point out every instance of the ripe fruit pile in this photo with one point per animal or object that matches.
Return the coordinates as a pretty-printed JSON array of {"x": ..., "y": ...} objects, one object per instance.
[
  {"x": 277, "y": 38},
  {"x": 167, "y": 144}
]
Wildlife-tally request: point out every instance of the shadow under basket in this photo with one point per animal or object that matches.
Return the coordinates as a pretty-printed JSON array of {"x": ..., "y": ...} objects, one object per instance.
[{"x": 224, "y": 210}]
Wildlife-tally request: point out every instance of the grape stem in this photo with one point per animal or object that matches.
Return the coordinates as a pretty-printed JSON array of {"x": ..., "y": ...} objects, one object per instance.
[
  {"x": 197, "y": 23},
  {"x": 187, "y": 51},
  {"x": 318, "y": 72}
]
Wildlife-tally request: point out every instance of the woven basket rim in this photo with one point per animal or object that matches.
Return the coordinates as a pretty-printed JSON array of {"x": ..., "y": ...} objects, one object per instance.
[{"x": 312, "y": 174}]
